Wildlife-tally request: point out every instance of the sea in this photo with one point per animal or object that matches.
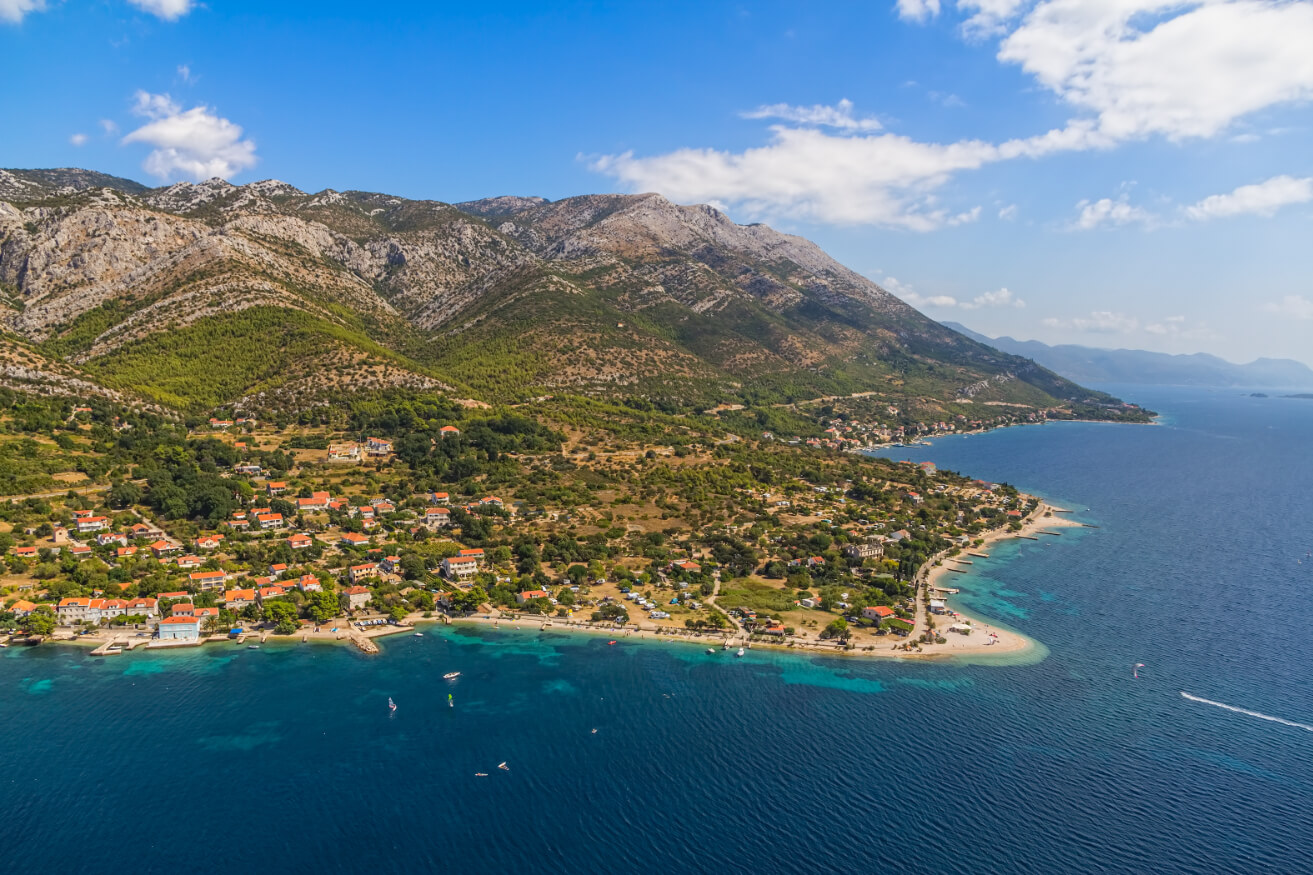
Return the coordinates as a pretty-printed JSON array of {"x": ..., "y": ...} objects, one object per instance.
[{"x": 659, "y": 757}]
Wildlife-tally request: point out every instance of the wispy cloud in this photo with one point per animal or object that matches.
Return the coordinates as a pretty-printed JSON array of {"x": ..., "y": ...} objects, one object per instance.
[
  {"x": 78, "y": 139},
  {"x": 839, "y": 116},
  {"x": 1291, "y": 306},
  {"x": 13, "y": 11},
  {"x": 1108, "y": 212},
  {"x": 169, "y": 10},
  {"x": 1261, "y": 199},
  {"x": 184, "y": 73},
  {"x": 988, "y": 300},
  {"x": 194, "y": 143}
]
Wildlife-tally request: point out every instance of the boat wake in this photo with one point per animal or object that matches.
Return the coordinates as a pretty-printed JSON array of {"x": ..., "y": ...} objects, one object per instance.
[{"x": 1257, "y": 714}]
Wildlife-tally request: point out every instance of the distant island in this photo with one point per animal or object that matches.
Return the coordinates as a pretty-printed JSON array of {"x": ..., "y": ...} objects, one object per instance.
[{"x": 1140, "y": 367}]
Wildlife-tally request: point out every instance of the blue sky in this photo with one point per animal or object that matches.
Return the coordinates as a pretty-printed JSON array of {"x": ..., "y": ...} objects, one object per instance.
[{"x": 1134, "y": 173}]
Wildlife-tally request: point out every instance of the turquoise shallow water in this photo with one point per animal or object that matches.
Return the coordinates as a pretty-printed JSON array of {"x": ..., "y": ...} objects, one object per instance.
[{"x": 286, "y": 758}]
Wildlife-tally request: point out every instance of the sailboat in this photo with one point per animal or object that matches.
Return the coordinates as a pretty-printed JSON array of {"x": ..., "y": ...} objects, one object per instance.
[
  {"x": 503, "y": 767},
  {"x": 392, "y": 706}
]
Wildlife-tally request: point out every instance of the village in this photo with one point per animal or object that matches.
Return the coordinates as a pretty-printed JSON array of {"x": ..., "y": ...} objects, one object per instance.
[{"x": 339, "y": 543}]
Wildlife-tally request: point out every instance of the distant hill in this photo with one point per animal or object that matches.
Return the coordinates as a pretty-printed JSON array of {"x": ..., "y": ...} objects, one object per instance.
[
  {"x": 1085, "y": 364},
  {"x": 263, "y": 296}
]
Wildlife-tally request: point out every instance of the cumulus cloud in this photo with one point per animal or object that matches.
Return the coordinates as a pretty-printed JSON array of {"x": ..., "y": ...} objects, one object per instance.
[
  {"x": 1262, "y": 199},
  {"x": 1001, "y": 298},
  {"x": 1176, "y": 68},
  {"x": 78, "y": 139},
  {"x": 1106, "y": 211},
  {"x": 838, "y": 116},
  {"x": 1291, "y": 306},
  {"x": 988, "y": 17},
  {"x": 169, "y": 10},
  {"x": 13, "y": 10},
  {"x": 917, "y": 10},
  {"x": 194, "y": 143}
]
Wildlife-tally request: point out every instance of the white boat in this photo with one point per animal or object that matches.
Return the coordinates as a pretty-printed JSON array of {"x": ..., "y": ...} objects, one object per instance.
[
  {"x": 450, "y": 675},
  {"x": 392, "y": 706},
  {"x": 503, "y": 767},
  {"x": 711, "y": 650},
  {"x": 740, "y": 652},
  {"x": 419, "y": 634}
]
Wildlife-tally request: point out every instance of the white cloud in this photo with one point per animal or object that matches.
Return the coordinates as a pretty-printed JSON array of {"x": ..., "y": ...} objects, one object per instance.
[
  {"x": 1105, "y": 322},
  {"x": 109, "y": 126},
  {"x": 838, "y": 116},
  {"x": 1262, "y": 199},
  {"x": 1292, "y": 306},
  {"x": 1008, "y": 213},
  {"x": 917, "y": 10},
  {"x": 78, "y": 139},
  {"x": 194, "y": 143},
  {"x": 1106, "y": 211},
  {"x": 1176, "y": 68},
  {"x": 1002, "y": 298},
  {"x": 169, "y": 10},
  {"x": 184, "y": 73},
  {"x": 988, "y": 16},
  {"x": 14, "y": 10}
]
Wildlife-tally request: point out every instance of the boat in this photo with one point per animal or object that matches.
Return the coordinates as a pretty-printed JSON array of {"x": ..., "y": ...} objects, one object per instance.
[
  {"x": 503, "y": 767},
  {"x": 419, "y": 634},
  {"x": 594, "y": 732},
  {"x": 451, "y": 674},
  {"x": 480, "y": 774},
  {"x": 450, "y": 703},
  {"x": 392, "y": 706},
  {"x": 253, "y": 647},
  {"x": 611, "y": 642},
  {"x": 711, "y": 650},
  {"x": 740, "y": 653}
]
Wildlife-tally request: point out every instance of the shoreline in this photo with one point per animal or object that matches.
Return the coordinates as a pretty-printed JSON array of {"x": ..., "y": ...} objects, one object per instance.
[{"x": 1007, "y": 644}]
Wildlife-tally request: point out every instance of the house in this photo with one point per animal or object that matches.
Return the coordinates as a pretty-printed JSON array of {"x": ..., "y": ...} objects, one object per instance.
[
  {"x": 180, "y": 629},
  {"x": 901, "y": 535},
  {"x": 220, "y": 424},
  {"x": 112, "y": 538},
  {"x": 878, "y": 613},
  {"x": 449, "y": 431},
  {"x": 93, "y": 524},
  {"x": 140, "y": 530},
  {"x": 687, "y": 565},
  {"x": 523, "y": 597},
  {"x": 377, "y": 446},
  {"x": 208, "y": 580},
  {"x": 270, "y": 520},
  {"x": 437, "y": 517},
  {"x": 270, "y": 592},
  {"x": 353, "y": 539},
  {"x": 381, "y": 507},
  {"x": 249, "y": 469},
  {"x": 164, "y": 548},
  {"x": 357, "y": 573},
  {"x": 235, "y": 599},
  {"x": 493, "y": 501},
  {"x": 772, "y": 628},
  {"x": 145, "y": 606},
  {"x": 460, "y": 567},
  {"x": 182, "y": 609},
  {"x": 180, "y": 594},
  {"x": 80, "y": 551},
  {"x": 365, "y": 511},
  {"x": 209, "y": 542},
  {"x": 189, "y": 561},
  {"x": 439, "y": 498},
  {"x": 938, "y": 606},
  {"x": 113, "y": 608},
  {"x": 872, "y": 549},
  {"x": 475, "y": 553},
  {"x": 25, "y": 552},
  {"x": 277, "y": 570},
  {"x": 203, "y": 614},
  {"x": 74, "y": 610},
  {"x": 300, "y": 542},
  {"x": 344, "y": 452},
  {"x": 815, "y": 561},
  {"x": 314, "y": 502},
  {"x": 125, "y": 552},
  {"x": 275, "y": 487},
  {"x": 239, "y": 523},
  {"x": 357, "y": 597},
  {"x": 916, "y": 497},
  {"x": 22, "y": 608},
  {"x": 309, "y": 583}
]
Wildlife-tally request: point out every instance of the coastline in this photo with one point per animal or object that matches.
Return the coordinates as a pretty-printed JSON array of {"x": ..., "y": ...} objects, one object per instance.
[{"x": 1005, "y": 644}]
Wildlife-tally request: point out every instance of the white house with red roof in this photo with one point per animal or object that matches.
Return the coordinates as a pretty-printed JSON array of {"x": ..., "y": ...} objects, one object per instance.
[
  {"x": 179, "y": 629},
  {"x": 309, "y": 583},
  {"x": 522, "y": 597},
  {"x": 460, "y": 567},
  {"x": 208, "y": 580},
  {"x": 357, "y": 573},
  {"x": 378, "y": 446},
  {"x": 93, "y": 523}
]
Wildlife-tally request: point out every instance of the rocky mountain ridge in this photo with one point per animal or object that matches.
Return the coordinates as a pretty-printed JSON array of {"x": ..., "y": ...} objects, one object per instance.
[{"x": 502, "y": 298}]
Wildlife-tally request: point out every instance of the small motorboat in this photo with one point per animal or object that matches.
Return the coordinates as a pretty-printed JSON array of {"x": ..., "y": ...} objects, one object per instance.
[
  {"x": 740, "y": 652},
  {"x": 480, "y": 774},
  {"x": 711, "y": 650},
  {"x": 451, "y": 675},
  {"x": 253, "y": 647},
  {"x": 419, "y": 634},
  {"x": 611, "y": 642},
  {"x": 503, "y": 767}
]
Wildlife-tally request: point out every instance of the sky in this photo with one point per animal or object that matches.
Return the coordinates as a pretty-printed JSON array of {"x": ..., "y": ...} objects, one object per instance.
[{"x": 1113, "y": 173}]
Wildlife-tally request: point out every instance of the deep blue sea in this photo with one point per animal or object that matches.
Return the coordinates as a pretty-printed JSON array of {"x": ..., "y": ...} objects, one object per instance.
[{"x": 286, "y": 758}]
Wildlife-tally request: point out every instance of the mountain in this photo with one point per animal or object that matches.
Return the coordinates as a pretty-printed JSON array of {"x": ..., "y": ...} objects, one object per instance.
[
  {"x": 1140, "y": 367},
  {"x": 261, "y": 295}
]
